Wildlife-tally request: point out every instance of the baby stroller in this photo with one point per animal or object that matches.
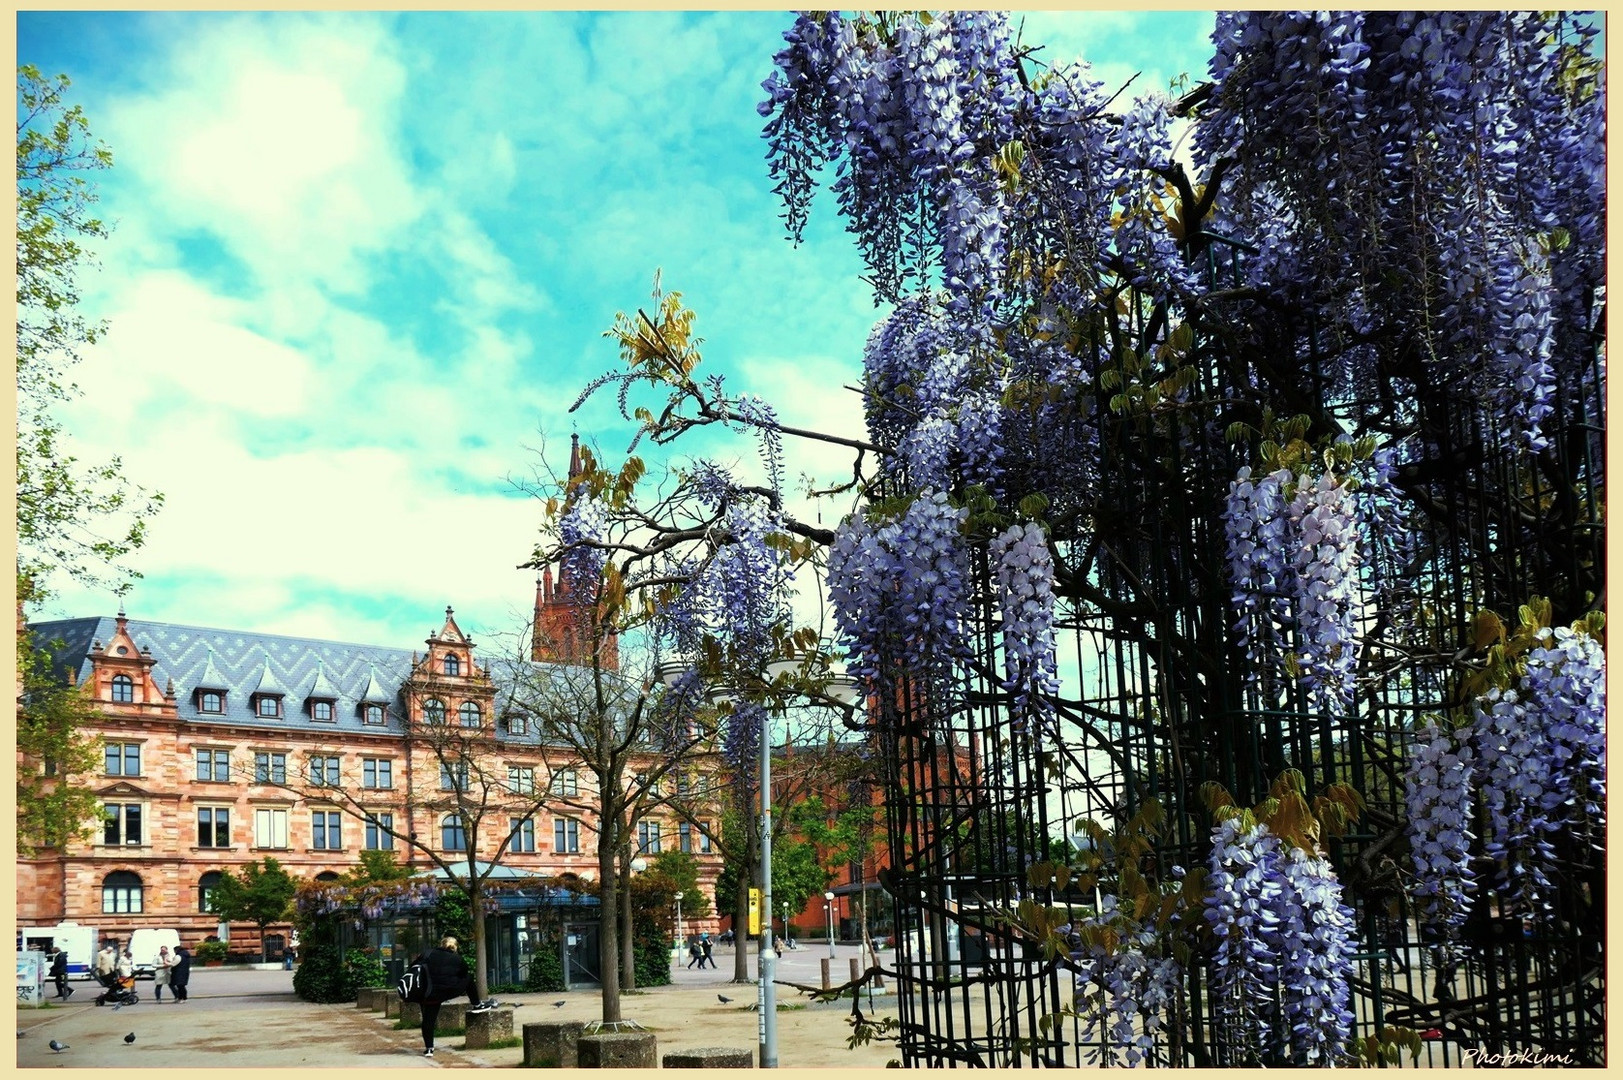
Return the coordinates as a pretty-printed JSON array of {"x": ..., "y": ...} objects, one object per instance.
[{"x": 119, "y": 992}]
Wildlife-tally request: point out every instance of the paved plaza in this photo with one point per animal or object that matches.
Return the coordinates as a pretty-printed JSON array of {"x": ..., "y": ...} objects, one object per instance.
[{"x": 251, "y": 1019}]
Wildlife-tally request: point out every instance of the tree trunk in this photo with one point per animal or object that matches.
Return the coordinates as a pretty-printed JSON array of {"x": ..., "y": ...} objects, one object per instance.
[
  {"x": 608, "y": 939},
  {"x": 628, "y": 943},
  {"x": 481, "y": 975},
  {"x": 741, "y": 926}
]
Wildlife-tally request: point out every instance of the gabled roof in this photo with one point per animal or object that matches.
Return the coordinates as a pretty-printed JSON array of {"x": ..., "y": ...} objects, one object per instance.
[
  {"x": 322, "y": 688},
  {"x": 268, "y": 683}
]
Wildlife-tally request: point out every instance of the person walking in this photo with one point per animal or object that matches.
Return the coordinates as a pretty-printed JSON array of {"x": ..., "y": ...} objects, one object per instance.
[
  {"x": 695, "y": 955},
  {"x": 126, "y": 965},
  {"x": 180, "y": 974},
  {"x": 704, "y": 943},
  {"x": 107, "y": 965},
  {"x": 448, "y": 978},
  {"x": 160, "y": 973},
  {"x": 59, "y": 972}
]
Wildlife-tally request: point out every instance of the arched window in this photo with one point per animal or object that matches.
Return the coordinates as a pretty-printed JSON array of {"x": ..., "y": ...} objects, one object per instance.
[
  {"x": 205, "y": 891},
  {"x": 453, "y": 664},
  {"x": 434, "y": 711},
  {"x": 121, "y": 893},
  {"x": 123, "y": 689},
  {"x": 327, "y": 875},
  {"x": 452, "y": 835},
  {"x": 469, "y": 714}
]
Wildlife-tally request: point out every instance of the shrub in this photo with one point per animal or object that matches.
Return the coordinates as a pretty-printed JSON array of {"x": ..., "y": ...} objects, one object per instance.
[{"x": 211, "y": 950}]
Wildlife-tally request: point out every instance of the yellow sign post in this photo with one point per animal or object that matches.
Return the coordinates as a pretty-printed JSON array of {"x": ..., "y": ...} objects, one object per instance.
[{"x": 755, "y": 912}]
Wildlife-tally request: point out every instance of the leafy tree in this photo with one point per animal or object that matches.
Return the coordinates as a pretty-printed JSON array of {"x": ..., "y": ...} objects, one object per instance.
[
  {"x": 377, "y": 866},
  {"x": 797, "y": 876},
  {"x": 260, "y": 893},
  {"x": 683, "y": 871},
  {"x": 64, "y": 506}
]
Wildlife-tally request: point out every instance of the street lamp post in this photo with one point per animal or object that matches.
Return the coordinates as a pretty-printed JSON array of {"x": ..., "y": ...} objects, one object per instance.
[
  {"x": 676, "y": 946},
  {"x": 828, "y": 904},
  {"x": 786, "y": 922}
]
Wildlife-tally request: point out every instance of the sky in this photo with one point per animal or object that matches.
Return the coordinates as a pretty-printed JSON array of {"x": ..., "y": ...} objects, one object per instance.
[{"x": 362, "y": 263}]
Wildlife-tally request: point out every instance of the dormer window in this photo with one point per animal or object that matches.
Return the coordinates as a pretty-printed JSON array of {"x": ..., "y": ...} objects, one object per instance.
[
  {"x": 123, "y": 689},
  {"x": 371, "y": 713},
  {"x": 268, "y": 706},
  {"x": 453, "y": 664},
  {"x": 211, "y": 701},
  {"x": 321, "y": 710}
]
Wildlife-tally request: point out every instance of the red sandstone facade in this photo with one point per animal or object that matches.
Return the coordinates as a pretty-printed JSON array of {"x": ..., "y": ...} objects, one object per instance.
[{"x": 186, "y": 774}]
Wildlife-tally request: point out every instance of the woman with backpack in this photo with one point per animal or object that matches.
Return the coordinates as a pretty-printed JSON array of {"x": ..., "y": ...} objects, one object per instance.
[{"x": 447, "y": 977}]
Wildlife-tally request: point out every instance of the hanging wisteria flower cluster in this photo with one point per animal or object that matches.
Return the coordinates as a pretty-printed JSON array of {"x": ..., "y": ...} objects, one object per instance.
[
  {"x": 1533, "y": 758},
  {"x": 1024, "y": 569},
  {"x": 1293, "y": 561},
  {"x": 1125, "y": 990},
  {"x": 900, "y": 590},
  {"x": 1284, "y": 949}
]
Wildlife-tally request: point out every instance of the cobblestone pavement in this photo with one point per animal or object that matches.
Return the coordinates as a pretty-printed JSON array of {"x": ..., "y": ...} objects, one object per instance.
[{"x": 251, "y": 1019}]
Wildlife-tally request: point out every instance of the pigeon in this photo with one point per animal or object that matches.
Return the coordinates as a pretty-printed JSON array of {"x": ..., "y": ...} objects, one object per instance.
[
  {"x": 58, "y": 1047},
  {"x": 130, "y": 1037},
  {"x": 723, "y": 998},
  {"x": 559, "y": 1004}
]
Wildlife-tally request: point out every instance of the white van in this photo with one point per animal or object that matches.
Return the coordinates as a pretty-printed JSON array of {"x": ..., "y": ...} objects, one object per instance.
[
  {"x": 144, "y": 945},
  {"x": 79, "y": 942}
]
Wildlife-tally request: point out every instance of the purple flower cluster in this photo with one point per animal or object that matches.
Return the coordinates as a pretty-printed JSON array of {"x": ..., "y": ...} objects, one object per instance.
[
  {"x": 1284, "y": 955},
  {"x": 900, "y": 590},
  {"x": 1293, "y": 560},
  {"x": 1124, "y": 995},
  {"x": 1422, "y": 166},
  {"x": 582, "y": 523},
  {"x": 1542, "y": 754},
  {"x": 1024, "y": 568},
  {"x": 1438, "y": 794}
]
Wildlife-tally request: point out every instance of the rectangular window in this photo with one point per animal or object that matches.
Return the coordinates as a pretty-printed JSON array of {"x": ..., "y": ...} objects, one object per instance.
[
  {"x": 371, "y": 714},
  {"x": 454, "y": 776},
  {"x": 648, "y": 837},
  {"x": 684, "y": 837},
  {"x": 270, "y": 768},
  {"x": 704, "y": 841},
  {"x": 523, "y": 838},
  {"x": 565, "y": 782},
  {"x": 123, "y": 759},
  {"x": 566, "y": 836},
  {"x": 521, "y": 780},
  {"x": 377, "y": 773},
  {"x": 377, "y": 835},
  {"x": 684, "y": 784},
  {"x": 325, "y": 834},
  {"x": 211, "y": 701},
  {"x": 269, "y": 707},
  {"x": 324, "y": 771},
  {"x": 123, "y": 824},
  {"x": 214, "y": 765},
  {"x": 270, "y": 829},
  {"x": 321, "y": 710},
  {"x": 213, "y": 827},
  {"x": 516, "y": 725},
  {"x": 453, "y": 837}
]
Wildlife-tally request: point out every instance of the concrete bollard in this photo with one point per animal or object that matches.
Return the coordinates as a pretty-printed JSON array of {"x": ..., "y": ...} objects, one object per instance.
[
  {"x": 710, "y": 1057},
  {"x": 391, "y": 1007},
  {"x": 619, "y": 1050},
  {"x": 492, "y": 1025},
  {"x": 553, "y": 1044},
  {"x": 371, "y": 997},
  {"x": 412, "y": 1013},
  {"x": 453, "y": 1017},
  {"x": 826, "y": 982}
]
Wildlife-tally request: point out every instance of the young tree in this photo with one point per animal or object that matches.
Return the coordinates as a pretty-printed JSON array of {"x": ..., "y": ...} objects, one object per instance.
[
  {"x": 260, "y": 893},
  {"x": 63, "y": 506}
]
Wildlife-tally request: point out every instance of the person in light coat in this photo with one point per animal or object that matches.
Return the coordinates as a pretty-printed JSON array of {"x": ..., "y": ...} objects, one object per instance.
[{"x": 161, "y": 971}]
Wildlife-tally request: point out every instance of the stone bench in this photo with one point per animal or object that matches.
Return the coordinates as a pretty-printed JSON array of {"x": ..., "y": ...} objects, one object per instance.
[
  {"x": 453, "y": 1015},
  {"x": 710, "y": 1057},
  {"x": 371, "y": 997},
  {"x": 619, "y": 1050},
  {"x": 391, "y": 1008},
  {"x": 484, "y": 1028},
  {"x": 553, "y": 1044}
]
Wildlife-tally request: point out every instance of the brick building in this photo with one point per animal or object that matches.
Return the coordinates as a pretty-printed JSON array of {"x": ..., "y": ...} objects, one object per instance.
[{"x": 224, "y": 746}]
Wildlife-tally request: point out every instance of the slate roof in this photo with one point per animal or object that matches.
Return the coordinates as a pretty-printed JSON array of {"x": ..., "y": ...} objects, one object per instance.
[{"x": 242, "y": 662}]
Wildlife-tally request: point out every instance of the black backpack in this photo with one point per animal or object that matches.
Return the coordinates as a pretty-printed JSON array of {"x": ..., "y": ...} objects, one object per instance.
[{"x": 414, "y": 984}]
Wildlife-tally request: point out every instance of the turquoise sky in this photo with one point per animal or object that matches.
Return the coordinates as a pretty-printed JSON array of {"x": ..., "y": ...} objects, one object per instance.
[{"x": 362, "y": 264}]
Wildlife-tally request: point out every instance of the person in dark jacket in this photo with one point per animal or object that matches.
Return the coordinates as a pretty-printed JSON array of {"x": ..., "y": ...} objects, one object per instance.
[
  {"x": 59, "y": 972},
  {"x": 448, "y": 978},
  {"x": 181, "y": 973}
]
